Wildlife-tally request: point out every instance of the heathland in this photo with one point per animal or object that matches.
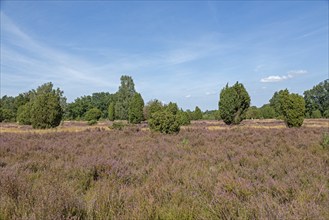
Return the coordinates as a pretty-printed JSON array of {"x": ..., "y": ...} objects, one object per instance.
[{"x": 259, "y": 169}]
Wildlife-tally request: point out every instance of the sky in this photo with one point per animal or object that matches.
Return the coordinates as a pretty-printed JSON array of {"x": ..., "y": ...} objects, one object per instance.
[{"x": 183, "y": 52}]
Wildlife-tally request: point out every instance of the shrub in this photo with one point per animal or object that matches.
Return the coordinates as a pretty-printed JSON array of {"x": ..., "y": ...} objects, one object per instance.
[
  {"x": 183, "y": 118},
  {"x": 326, "y": 114},
  {"x": 164, "y": 122},
  {"x": 93, "y": 114},
  {"x": 253, "y": 113},
  {"x": 117, "y": 126},
  {"x": 325, "y": 141},
  {"x": 316, "y": 114},
  {"x": 293, "y": 109},
  {"x": 233, "y": 104},
  {"x": 92, "y": 122},
  {"x": 46, "y": 111}
]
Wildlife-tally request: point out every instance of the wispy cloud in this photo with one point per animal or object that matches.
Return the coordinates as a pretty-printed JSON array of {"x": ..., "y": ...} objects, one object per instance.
[
  {"x": 188, "y": 96},
  {"x": 290, "y": 74},
  {"x": 31, "y": 59}
]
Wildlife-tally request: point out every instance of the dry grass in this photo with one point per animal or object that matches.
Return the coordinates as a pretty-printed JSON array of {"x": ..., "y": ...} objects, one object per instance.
[{"x": 239, "y": 172}]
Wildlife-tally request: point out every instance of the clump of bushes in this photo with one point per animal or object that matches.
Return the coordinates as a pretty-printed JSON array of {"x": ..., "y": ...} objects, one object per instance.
[
  {"x": 164, "y": 122},
  {"x": 93, "y": 115},
  {"x": 117, "y": 126},
  {"x": 325, "y": 141},
  {"x": 92, "y": 122}
]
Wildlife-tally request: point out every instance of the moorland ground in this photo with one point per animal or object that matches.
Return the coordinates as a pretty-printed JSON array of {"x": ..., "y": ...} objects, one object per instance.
[{"x": 258, "y": 170}]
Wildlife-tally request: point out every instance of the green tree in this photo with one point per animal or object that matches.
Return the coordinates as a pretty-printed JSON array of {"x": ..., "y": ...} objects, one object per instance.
[
  {"x": 111, "y": 115},
  {"x": 316, "y": 114},
  {"x": 7, "y": 109},
  {"x": 124, "y": 96},
  {"x": 275, "y": 103},
  {"x": 152, "y": 107},
  {"x": 183, "y": 118},
  {"x": 293, "y": 109},
  {"x": 233, "y": 104},
  {"x": 136, "y": 109},
  {"x": 326, "y": 113},
  {"x": 317, "y": 98},
  {"x": 164, "y": 121},
  {"x": 266, "y": 111},
  {"x": 172, "y": 107},
  {"x": 24, "y": 114},
  {"x": 253, "y": 113},
  {"x": 197, "y": 113},
  {"x": 46, "y": 110},
  {"x": 93, "y": 114}
]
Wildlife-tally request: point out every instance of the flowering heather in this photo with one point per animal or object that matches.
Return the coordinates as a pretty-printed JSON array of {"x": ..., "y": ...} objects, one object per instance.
[{"x": 244, "y": 172}]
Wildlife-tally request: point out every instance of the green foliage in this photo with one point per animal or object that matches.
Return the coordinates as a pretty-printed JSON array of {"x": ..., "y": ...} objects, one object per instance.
[
  {"x": 316, "y": 114},
  {"x": 197, "y": 113},
  {"x": 326, "y": 113},
  {"x": 6, "y": 115},
  {"x": 172, "y": 107},
  {"x": 293, "y": 109},
  {"x": 124, "y": 95},
  {"x": 77, "y": 109},
  {"x": 253, "y": 113},
  {"x": 233, "y": 104},
  {"x": 267, "y": 111},
  {"x": 117, "y": 126},
  {"x": 7, "y": 109},
  {"x": 46, "y": 110},
  {"x": 111, "y": 115},
  {"x": 92, "y": 122},
  {"x": 93, "y": 114},
  {"x": 211, "y": 115},
  {"x": 136, "y": 107},
  {"x": 24, "y": 114},
  {"x": 275, "y": 103},
  {"x": 164, "y": 122},
  {"x": 152, "y": 107},
  {"x": 317, "y": 98},
  {"x": 183, "y": 118}
]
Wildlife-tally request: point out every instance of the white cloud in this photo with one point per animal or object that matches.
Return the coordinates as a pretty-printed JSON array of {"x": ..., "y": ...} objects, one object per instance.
[
  {"x": 290, "y": 74},
  {"x": 188, "y": 96}
]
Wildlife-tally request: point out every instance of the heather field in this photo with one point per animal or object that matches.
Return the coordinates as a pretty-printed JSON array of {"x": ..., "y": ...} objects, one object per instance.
[{"x": 257, "y": 170}]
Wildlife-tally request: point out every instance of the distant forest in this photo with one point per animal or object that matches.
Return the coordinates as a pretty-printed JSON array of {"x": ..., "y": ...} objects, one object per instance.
[{"x": 46, "y": 107}]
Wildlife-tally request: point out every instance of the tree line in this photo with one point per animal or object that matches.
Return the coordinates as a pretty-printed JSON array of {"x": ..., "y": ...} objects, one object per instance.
[{"x": 46, "y": 107}]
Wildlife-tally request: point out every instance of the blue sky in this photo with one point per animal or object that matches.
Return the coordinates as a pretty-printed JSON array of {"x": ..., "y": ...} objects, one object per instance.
[{"x": 184, "y": 52}]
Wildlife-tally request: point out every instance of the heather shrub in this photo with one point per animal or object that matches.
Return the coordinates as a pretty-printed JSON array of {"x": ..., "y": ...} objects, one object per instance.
[
  {"x": 325, "y": 141},
  {"x": 164, "y": 122}
]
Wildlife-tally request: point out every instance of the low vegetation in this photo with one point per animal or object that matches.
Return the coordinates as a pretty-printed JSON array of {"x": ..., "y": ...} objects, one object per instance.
[{"x": 237, "y": 172}]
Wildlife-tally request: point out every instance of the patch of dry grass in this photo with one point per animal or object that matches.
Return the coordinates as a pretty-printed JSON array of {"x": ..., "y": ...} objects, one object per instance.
[{"x": 235, "y": 173}]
